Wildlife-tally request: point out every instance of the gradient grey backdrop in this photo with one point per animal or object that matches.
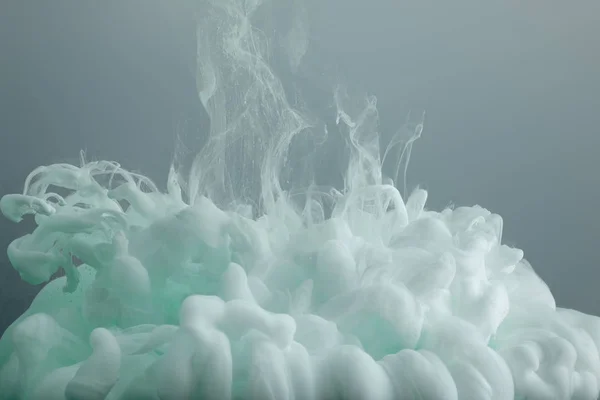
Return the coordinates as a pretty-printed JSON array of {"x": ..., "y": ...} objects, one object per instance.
[{"x": 511, "y": 90}]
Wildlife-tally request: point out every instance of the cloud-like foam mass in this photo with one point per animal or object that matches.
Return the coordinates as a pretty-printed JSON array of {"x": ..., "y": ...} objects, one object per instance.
[{"x": 237, "y": 283}]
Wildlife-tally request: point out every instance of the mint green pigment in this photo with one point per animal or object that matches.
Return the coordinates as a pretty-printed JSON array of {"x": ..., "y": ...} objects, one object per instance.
[{"x": 237, "y": 283}]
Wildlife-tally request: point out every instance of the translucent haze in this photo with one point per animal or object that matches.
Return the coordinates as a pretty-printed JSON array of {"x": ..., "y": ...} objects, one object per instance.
[{"x": 246, "y": 280}]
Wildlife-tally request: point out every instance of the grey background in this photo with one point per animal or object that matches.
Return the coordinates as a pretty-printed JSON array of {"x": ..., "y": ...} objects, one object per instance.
[{"x": 510, "y": 88}]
